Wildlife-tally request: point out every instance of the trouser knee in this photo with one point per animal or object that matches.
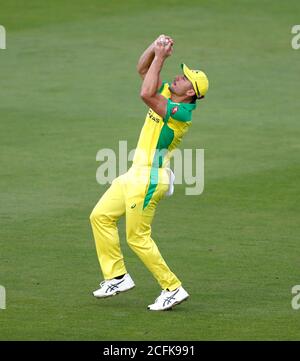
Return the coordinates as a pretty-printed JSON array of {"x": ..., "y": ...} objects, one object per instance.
[
  {"x": 93, "y": 216},
  {"x": 99, "y": 218},
  {"x": 138, "y": 243}
]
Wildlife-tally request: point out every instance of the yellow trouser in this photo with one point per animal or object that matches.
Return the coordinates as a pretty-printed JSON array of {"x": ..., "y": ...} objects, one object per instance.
[{"x": 127, "y": 195}]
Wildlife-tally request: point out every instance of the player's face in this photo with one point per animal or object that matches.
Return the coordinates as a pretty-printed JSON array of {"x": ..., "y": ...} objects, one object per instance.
[{"x": 181, "y": 85}]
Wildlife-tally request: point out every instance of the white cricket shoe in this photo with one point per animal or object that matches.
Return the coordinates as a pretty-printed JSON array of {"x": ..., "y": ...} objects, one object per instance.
[
  {"x": 169, "y": 299},
  {"x": 112, "y": 287}
]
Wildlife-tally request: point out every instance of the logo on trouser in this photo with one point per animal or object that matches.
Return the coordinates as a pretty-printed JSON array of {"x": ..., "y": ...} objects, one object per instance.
[{"x": 2, "y": 298}]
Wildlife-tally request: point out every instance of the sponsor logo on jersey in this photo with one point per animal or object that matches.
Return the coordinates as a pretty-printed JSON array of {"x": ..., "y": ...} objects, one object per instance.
[{"x": 152, "y": 116}]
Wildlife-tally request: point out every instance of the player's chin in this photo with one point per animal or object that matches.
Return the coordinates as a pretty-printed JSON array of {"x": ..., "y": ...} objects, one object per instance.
[{"x": 171, "y": 88}]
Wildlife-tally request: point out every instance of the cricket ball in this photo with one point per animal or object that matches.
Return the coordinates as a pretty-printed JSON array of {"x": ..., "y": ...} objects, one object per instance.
[{"x": 163, "y": 41}]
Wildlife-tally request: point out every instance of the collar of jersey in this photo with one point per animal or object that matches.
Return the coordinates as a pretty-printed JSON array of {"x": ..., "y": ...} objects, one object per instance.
[{"x": 189, "y": 106}]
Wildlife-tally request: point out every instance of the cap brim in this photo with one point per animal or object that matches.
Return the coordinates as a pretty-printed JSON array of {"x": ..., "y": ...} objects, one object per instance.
[
  {"x": 186, "y": 69},
  {"x": 188, "y": 73}
]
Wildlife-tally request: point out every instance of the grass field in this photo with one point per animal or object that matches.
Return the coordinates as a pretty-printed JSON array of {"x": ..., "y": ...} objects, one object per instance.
[{"x": 69, "y": 88}]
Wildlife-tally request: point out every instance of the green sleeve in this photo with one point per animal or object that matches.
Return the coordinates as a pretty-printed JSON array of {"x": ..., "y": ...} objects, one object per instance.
[{"x": 178, "y": 111}]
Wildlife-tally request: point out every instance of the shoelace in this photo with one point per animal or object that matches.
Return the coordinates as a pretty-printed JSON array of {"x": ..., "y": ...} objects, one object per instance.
[
  {"x": 102, "y": 284},
  {"x": 168, "y": 299},
  {"x": 162, "y": 293},
  {"x": 110, "y": 286}
]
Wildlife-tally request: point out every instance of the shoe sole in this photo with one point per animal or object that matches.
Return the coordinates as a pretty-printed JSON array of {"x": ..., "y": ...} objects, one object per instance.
[
  {"x": 114, "y": 294},
  {"x": 171, "y": 307}
]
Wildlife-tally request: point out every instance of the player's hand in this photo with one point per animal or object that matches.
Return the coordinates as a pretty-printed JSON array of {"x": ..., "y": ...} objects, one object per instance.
[
  {"x": 167, "y": 37},
  {"x": 163, "y": 51}
]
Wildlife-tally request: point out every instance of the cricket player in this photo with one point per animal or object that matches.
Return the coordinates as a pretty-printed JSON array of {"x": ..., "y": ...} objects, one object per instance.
[{"x": 137, "y": 192}]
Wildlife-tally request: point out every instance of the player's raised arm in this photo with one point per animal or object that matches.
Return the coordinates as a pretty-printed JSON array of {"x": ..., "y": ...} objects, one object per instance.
[
  {"x": 145, "y": 60},
  {"x": 148, "y": 55},
  {"x": 151, "y": 81}
]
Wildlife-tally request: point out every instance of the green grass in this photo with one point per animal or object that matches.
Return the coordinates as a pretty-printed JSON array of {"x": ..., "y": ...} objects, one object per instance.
[{"x": 69, "y": 88}]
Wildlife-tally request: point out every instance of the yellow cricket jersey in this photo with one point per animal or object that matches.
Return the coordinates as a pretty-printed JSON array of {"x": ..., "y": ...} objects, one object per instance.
[{"x": 159, "y": 136}]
